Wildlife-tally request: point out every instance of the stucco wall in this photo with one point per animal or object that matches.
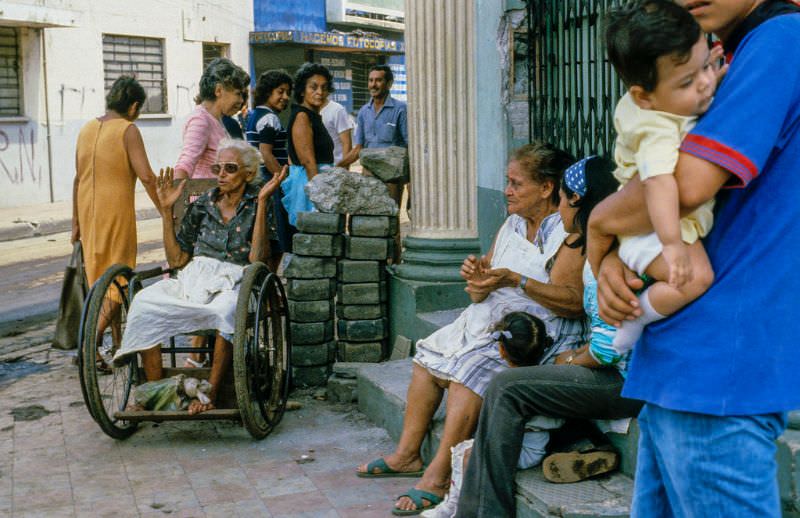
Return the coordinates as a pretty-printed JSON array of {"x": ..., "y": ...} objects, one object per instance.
[{"x": 75, "y": 85}]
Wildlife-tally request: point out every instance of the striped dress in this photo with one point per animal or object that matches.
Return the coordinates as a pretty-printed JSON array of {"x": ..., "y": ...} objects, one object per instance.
[{"x": 464, "y": 351}]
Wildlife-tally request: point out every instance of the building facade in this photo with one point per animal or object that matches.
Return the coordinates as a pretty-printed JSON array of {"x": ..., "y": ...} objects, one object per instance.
[
  {"x": 59, "y": 57},
  {"x": 347, "y": 36}
]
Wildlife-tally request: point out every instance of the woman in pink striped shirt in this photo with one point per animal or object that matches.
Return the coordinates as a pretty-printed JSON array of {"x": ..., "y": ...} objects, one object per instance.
[{"x": 222, "y": 88}]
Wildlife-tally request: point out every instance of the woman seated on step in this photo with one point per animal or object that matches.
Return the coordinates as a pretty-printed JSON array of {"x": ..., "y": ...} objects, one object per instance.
[
  {"x": 223, "y": 230},
  {"x": 579, "y": 386},
  {"x": 530, "y": 268}
]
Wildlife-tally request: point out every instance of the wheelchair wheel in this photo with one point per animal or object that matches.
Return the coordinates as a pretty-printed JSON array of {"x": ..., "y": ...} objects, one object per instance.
[
  {"x": 102, "y": 325},
  {"x": 261, "y": 351}
]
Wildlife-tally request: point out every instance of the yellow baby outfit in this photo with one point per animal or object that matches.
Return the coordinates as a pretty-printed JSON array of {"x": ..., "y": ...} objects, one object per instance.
[{"x": 647, "y": 144}]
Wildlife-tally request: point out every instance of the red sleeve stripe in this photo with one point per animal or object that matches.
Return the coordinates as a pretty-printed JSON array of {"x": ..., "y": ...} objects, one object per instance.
[{"x": 722, "y": 155}]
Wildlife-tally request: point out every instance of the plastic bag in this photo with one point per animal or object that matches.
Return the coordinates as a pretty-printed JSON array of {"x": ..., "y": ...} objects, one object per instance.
[
  {"x": 195, "y": 388},
  {"x": 160, "y": 394},
  {"x": 173, "y": 393}
]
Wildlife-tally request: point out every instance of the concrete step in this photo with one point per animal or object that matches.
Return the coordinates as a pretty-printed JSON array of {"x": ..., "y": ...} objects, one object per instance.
[
  {"x": 433, "y": 321},
  {"x": 382, "y": 397},
  {"x": 382, "y": 391}
]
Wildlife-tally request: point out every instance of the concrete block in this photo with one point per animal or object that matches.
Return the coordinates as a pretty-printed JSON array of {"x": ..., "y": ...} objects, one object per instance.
[
  {"x": 370, "y": 352},
  {"x": 305, "y": 267},
  {"x": 390, "y": 164},
  {"x": 310, "y": 376},
  {"x": 305, "y": 333},
  {"x": 362, "y": 293},
  {"x": 362, "y": 330},
  {"x": 361, "y": 311},
  {"x": 627, "y": 444},
  {"x": 374, "y": 226},
  {"x": 342, "y": 390},
  {"x": 313, "y": 355},
  {"x": 347, "y": 370},
  {"x": 318, "y": 245},
  {"x": 349, "y": 271},
  {"x": 320, "y": 223},
  {"x": 368, "y": 248},
  {"x": 401, "y": 348},
  {"x": 788, "y": 457},
  {"x": 310, "y": 289},
  {"x": 310, "y": 311}
]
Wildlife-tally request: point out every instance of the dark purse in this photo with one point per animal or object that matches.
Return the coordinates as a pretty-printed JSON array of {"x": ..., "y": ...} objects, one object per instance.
[{"x": 70, "y": 306}]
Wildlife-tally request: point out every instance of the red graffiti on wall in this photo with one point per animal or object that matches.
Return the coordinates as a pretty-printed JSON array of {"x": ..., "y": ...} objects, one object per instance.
[{"x": 18, "y": 162}]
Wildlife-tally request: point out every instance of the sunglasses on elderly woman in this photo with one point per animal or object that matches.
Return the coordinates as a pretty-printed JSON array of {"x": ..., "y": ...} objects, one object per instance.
[{"x": 228, "y": 167}]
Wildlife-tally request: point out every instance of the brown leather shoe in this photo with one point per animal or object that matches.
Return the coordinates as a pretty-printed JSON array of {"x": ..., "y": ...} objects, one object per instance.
[{"x": 574, "y": 466}]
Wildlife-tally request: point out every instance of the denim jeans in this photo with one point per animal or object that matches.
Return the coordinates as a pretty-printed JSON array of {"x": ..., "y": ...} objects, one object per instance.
[
  {"x": 512, "y": 398},
  {"x": 702, "y": 466}
]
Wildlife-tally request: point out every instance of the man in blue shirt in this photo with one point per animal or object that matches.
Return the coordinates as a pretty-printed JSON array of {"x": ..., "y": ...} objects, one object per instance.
[
  {"x": 719, "y": 376},
  {"x": 381, "y": 122}
]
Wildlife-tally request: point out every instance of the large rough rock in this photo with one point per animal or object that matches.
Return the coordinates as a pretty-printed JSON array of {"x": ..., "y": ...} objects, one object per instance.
[
  {"x": 340, "y": 191},
  {"x": 390, "y": 164}
]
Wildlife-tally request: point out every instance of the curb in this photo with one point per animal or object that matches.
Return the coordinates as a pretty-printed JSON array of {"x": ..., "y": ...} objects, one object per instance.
[
  {"x": 28, "y": 229},
  {"x": 16, "y": 326}
]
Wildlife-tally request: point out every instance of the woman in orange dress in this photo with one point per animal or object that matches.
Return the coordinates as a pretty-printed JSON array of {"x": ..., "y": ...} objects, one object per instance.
[{"x": 109, "y": 156}]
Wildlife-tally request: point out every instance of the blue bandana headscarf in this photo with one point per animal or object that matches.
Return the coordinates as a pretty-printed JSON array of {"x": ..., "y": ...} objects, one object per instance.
[{"x": 575, "y": 176}]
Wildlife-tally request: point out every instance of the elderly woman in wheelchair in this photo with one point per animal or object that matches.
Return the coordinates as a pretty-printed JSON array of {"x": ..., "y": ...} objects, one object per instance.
[{"x": 222, "y": 231}]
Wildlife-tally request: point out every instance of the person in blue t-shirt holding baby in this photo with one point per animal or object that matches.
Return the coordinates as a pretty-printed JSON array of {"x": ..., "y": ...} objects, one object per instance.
[{"x": 718, "y": 376}]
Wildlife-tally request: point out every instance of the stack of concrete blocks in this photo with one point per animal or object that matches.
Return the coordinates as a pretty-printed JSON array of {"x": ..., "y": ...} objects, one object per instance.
[
  {"x": 311, "y": 289},
  {"x": 361, "y": 302},
  {"x": 362, "y": 326}
]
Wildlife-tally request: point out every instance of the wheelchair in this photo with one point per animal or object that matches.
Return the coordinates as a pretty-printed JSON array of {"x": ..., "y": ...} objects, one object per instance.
[{"x": 254, "y": 391}]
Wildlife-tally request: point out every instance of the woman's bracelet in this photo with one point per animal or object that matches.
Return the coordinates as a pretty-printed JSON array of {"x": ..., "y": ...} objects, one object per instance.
[{"x": 523, "y": 281}]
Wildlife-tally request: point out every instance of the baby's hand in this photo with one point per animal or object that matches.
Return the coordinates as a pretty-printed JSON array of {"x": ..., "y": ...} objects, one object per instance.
[
  {"x": 717, "y": 60},
  {"x": 680, "y": 267}
]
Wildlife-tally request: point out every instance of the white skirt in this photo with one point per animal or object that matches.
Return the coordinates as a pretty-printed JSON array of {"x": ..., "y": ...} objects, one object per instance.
[{"x": 203, "y": 296}]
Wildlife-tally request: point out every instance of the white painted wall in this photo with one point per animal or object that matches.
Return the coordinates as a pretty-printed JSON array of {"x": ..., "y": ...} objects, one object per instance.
[{"x": 75, "y": 83}]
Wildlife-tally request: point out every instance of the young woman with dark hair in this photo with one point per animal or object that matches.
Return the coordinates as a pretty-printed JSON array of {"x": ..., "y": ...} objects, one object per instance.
[
  {"x": 266, "y": 132},
  {"x": 310, "y": 145}
]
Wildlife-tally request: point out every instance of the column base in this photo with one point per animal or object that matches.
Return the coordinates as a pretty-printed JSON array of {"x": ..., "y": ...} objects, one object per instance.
[
  {"x": 427, "y": 280},
  {"x": 435, "y": 260}
]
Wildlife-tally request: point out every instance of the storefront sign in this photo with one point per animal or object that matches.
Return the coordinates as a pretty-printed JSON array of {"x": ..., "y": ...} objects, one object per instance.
[{"x": 328, "y": 39}]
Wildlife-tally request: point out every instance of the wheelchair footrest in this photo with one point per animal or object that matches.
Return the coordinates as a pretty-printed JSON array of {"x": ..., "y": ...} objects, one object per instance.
[{"x": 178, "y": 415}]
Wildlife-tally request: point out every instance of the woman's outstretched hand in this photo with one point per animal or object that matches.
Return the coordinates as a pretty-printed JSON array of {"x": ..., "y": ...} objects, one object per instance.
[
  {"x": 272, "y": 185},
  {"x": 168, "y": 193}
]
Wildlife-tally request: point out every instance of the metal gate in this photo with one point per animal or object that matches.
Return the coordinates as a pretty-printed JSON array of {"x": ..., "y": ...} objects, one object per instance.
[{"x": 572, "y": 89}]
